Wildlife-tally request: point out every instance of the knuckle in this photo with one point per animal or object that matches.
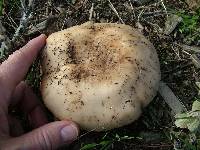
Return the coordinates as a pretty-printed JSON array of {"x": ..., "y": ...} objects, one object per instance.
[
  {"x": 45, "y": 140},
  {"x": 20, "y": 52}
]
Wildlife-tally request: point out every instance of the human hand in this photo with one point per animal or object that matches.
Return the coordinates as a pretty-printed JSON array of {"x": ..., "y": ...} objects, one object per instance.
[{"x": 13, "y": 91}]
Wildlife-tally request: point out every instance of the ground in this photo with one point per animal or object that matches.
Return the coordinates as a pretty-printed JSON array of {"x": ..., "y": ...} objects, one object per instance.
[{"x": 155, "y": 129}]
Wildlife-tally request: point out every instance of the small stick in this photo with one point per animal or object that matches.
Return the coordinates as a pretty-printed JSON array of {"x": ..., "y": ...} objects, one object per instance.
[
  {"x": 13, "y": 23},
  {"x": 132, "y": 8},
  {"x": 174, "y": 103},
  {"x": 192, "y": 49},
  {"x": 140, "y": 14},
  {"x": 115, "y": 11},
  {"x": 195, "y": 60},
  {"x": 91, "y": 12},
  {"x": 26, "y": 16},
  {"x": 84, "y": 134},
  {"x": 164, "y": 7}
]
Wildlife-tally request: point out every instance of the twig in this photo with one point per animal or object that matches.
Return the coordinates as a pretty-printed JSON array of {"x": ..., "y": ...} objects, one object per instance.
[
  {"x": 195, "y": 60},
  {"x": 10, "y": 25},
  {"x": 13, "y": 23},
  {"x": 115, "y": 11},
  {"x": 193, "y": 49},
  {"x": 156, "y": 26},
  {"x": 159, "y": 12},
  {"x": 148, "y": 6},
  {"x": 186, "y": 53},
  {"x": 84, "y": 134},
  {"x": 38, "y": 28},
  {"x": 177, "y": 53},
  {"x": 164, "y": 7},
  {"x": 132, "y": 8},
  {"x": 63, "y": 25},
  {"x": 31, "y": 3},
  {"x": 26, "y": 16},
  {"x": 91, "y": 12},
  {"x": 23, "y": 4},
  {"x": 140, "y": 14},
  {"x": 42, "y": 25}
]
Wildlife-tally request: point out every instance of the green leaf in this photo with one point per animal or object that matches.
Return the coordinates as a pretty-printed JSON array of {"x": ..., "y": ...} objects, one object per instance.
[
  {"x": 117, "y": 137},
  {"x": 181, "y": 116},
  {"x": 182, "y": 123},
  {"x": 105, "y": 142},
  {"x": 127, "y": 138},
  {"x": 194, "y": 125},
  {"x": 198, "y": 85},
  {"x": 105, "y": 136},
  {"x": 190, "y": 120},
  {"x": 89, "y": 146},
  {"x": 196, "y": 106}
]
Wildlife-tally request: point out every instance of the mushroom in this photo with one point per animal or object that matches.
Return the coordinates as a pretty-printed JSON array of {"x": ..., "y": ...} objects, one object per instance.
[{"x": 100, "y": 75}]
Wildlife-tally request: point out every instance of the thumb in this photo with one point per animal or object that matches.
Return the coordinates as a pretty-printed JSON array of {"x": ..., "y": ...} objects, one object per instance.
[{"x": 50, "y": 136}]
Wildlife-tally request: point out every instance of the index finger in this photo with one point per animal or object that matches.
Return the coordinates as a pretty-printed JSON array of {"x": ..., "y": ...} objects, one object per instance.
[{"x": 14, "y": 69}]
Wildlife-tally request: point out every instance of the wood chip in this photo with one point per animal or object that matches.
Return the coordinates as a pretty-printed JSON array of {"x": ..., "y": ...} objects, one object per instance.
[
  {"x": 193, "y": 4},
  {"x": 195, "y": 60},
  {"x": 41, "y": 26},
  {"x": 171, "y": 24},
  {"x": 194, "y": 49},
  {"x": 174, "y": 103}
]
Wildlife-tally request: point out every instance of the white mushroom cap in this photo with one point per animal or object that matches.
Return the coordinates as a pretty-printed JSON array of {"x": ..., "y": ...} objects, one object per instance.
[{"x": 99, "y": 75}]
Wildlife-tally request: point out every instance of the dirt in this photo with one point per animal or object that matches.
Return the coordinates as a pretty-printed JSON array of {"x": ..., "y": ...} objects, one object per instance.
[{"x": 177, "y": 69}]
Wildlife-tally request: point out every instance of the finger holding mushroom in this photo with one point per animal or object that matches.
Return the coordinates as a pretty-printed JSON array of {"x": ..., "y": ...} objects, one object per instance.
[{"x": 99, "y": 75}]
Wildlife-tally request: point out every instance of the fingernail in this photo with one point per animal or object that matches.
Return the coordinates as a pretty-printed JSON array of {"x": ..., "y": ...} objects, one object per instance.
[
  {"x": 43, "y": 35},
  {"x": 69, "y": 133}
]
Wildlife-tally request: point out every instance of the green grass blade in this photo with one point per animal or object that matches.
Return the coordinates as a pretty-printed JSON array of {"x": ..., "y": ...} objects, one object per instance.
[{"x": 1, "y": 7}]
